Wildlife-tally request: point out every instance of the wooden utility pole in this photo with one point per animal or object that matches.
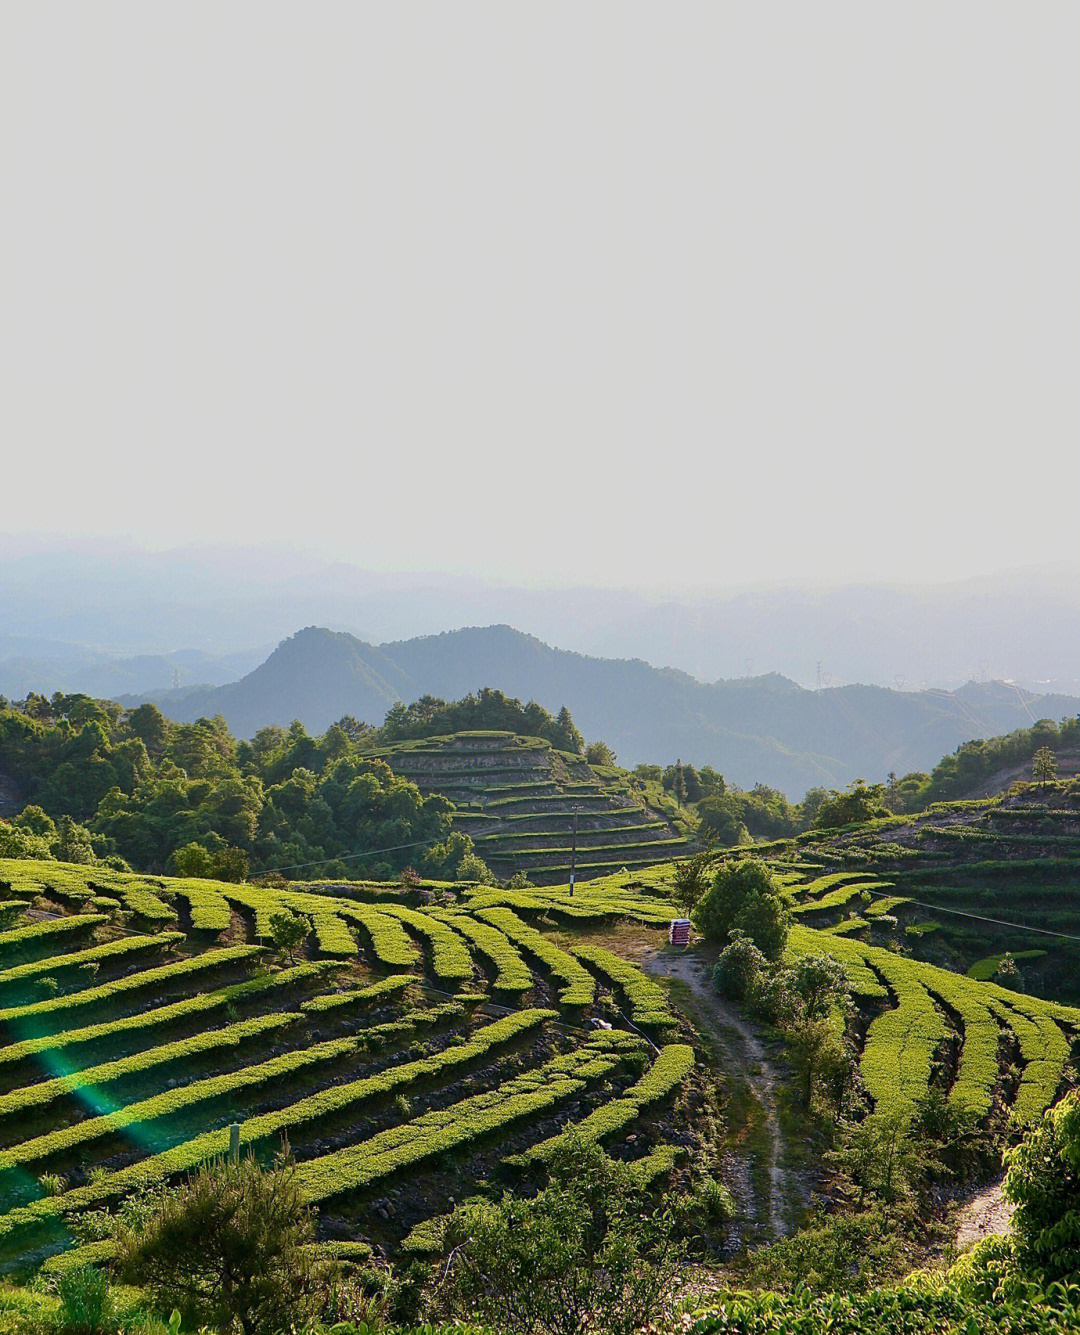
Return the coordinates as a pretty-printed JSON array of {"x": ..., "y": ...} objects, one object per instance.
[{"x": 573, "y": 856}]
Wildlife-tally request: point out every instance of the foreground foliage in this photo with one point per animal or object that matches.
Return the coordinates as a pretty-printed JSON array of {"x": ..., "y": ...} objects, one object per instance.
[{"x": 587, "y": 1252}]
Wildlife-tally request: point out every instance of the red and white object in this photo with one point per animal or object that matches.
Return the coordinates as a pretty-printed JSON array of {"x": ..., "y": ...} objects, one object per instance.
[{"x": 679, "y": 932}]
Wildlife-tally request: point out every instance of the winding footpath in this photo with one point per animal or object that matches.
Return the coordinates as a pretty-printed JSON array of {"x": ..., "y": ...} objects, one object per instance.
[{"x": 743, "y": 1051}]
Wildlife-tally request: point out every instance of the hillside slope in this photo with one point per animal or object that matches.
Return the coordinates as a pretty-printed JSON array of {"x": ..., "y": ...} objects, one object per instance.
[
  {"x": 965, "y": 882},
  {"x": 757, "y": 729},
  {"x": 518, "y": 798}
]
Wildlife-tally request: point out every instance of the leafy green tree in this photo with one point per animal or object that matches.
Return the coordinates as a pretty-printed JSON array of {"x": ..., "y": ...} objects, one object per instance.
[
  {"x": 230, "y": 864},
  {"x": 819, "y": 981},
  {"x": 229, "y": 1247},
  {"x": 192, "y": 860},
  {"x": 15, "y": 842},
  {"x": 721, "y": 820},
  {"x": 35, "y": 820},
  {"x": 879, "y": 1157},
  {"x": 589, "y": 1252},
  {"x": 599, "y": 753},
  {"x": 473, "y": 868},
  {"x": 73, "y": 844},
  {"x": 817, "y": 1050},
  {"x": 738, "y": 968},
  {"x": 745, "y": 897},
  {"x": 1044, "y": 765},
  {"x": 1043, "y": 1182},
  {"x": 678, "y": 786},
  {"x": 859, "y": 803},
  {"x": 150, "y": 725},
  {"x": 691, "y": 879},
  {"x": 566, "y": 736},
  {"x": 288, "y": 932}
]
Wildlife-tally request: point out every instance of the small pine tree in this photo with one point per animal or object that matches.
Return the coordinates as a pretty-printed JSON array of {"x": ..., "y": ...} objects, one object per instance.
[
  {"x": 230, "y": 1247},
  {"x": 679, "y": 787},
  {"x": 1044, "y": 766}
]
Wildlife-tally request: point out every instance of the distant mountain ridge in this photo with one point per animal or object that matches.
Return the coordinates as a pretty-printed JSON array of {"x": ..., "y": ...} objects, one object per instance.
[{"x": 755, "y": 729}]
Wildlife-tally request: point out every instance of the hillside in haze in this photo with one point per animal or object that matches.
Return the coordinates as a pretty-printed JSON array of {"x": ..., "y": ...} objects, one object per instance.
[
  {"x": 1024, "y": 626},
  {"x": 761, "y": 729}
]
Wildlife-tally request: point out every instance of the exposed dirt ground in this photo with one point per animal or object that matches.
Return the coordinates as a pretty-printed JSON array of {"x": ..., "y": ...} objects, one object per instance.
[
  {"x": 986, "y": 1215},
  {"x": 742, "y": 1052}
]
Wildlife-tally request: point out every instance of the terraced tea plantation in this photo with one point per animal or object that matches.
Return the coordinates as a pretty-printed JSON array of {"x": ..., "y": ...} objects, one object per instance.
[
  {"x": 959, "y": 866},
  {"x": 989, "y": 1047},
  {"x": 413, "y": 1052},
  {"x": 517, "y": 798},
  {"x": 408, "y": 1049}
]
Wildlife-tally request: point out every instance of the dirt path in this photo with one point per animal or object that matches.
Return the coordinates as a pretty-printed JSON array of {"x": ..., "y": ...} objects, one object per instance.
[
  {"x": 987, "y": 1214},
  {"x": 744, "y": 1052}
]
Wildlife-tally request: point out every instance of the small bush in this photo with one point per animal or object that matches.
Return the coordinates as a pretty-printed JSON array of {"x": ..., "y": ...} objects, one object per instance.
[
  {"x": 85, "y": 1301},
  {"x": 738, "y": 968}
]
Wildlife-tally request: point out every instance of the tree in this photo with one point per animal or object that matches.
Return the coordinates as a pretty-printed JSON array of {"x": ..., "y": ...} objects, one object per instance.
[
  {"x": 1043, "y": 1182},
  {"x": 678, "y": 787},
  {"x": 229, "y": 864},
  {"x": 599, "y": 753},
  {"x": 745, "y": 897},
  {"x": 74, "y": 842},
  {"x": 148, "y": 723},
  {"x": 739, "y": 967},
  {"x": 230, "y": 1246},
  {"x": 879, "y": 1157},
  {"x": 721, "y": 819},
  {"x": 288, "y": 932},
  {"x": 1044, "y": 765},
  {"x": 587, "y": 1253},
  {"x": 566, "y": 736},
  {"x": 860, "y": 802},
  {"x": 472, "y": 867},
  {"x": 691, "y": 879},
  {"x": 192, "y": 860},
  {"x": 819, "y": 981},
  {"x": 817, "y": 1048},
  {"x": 35, "y": 820}
]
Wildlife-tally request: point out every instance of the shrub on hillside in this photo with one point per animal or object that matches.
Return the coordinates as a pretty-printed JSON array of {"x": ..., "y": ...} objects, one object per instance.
[
  {"x": 1043, "y": 1182},
  {"x": 738, "y": 968},
  {"x": 588, "y": 1252},
  {"x": 230, "y": 1246},
  {"x": 745, "y": 897}
]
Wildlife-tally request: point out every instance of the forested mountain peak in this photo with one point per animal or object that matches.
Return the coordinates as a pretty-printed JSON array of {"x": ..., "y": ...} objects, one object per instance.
[{"x": 763, "y": 728}]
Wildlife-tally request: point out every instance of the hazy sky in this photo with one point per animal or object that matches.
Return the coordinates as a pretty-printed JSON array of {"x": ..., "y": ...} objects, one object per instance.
[{"x": 643, "y": 294}]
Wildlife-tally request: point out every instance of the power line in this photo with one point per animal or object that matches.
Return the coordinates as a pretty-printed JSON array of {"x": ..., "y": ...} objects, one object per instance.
[
  {"x": 978, "y": 917},
  {"x": 346, "y": 857}
]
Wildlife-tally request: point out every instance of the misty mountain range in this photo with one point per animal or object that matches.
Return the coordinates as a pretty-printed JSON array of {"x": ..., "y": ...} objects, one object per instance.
[
  {"x": 236, "y": 604},
  {"x": 753, "y": 729}
]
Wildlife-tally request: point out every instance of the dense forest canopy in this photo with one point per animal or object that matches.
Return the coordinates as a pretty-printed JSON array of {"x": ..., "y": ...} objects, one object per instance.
[
  {"x": 98, "y": 781},
  {"x": 486, "y": 710},
  {"x": 131, "y": 787}
]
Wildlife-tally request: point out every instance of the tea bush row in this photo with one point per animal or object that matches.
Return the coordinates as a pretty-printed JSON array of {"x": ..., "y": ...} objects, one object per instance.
[
  {"x": 91, "y": 1078},
  {"x": 648, "y": 1002},
  {"x": 578, "y": 988},
  {"x": 512, "y": 974},
  {"x": 136, "y": 982},
  {"x": 143, "y": 1023}
]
